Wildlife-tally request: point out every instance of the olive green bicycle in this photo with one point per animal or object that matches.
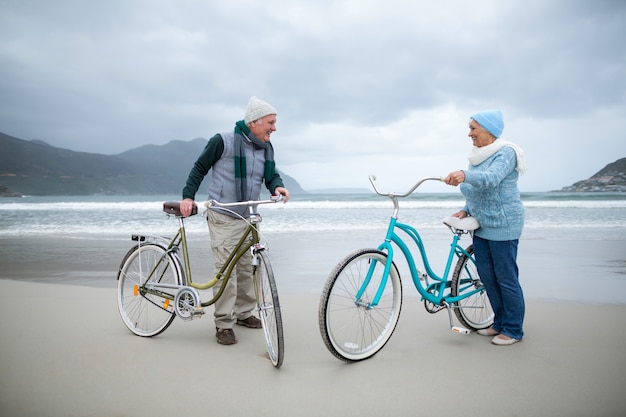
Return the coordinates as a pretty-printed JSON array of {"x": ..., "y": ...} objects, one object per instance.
[{"x": 155, "y": 284}]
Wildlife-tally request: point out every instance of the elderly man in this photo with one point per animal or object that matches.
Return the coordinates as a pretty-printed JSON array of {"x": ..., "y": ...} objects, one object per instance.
[{"x": 242, "y": 160}]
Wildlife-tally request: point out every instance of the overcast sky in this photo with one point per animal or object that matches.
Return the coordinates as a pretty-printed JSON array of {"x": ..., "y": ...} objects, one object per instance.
[{"x": 361, "y": 86}]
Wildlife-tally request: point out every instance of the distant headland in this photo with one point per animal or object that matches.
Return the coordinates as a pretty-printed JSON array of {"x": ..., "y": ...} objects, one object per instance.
[{"x": 611, "y": 178}]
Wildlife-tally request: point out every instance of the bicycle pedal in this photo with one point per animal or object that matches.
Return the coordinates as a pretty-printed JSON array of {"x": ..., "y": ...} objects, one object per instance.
[
  {"x": 198, "y": 312},
  {"x": 460, "y": 330}
]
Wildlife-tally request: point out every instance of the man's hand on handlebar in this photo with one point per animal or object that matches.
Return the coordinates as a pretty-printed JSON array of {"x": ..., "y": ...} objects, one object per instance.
[{"x": 282, "y": 191}]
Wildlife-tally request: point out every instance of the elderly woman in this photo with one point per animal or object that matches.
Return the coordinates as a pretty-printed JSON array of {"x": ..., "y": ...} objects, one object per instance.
[{"x": 489, "y": 186}]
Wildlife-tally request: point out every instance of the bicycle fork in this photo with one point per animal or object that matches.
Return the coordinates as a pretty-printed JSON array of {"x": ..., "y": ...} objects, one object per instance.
[{"x": 383, "y": 282}]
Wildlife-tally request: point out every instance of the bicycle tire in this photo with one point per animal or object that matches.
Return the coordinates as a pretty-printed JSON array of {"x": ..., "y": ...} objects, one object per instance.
[
  {"x": 269, "y": 310},
  {"x": 475, "y": 311},
  {"x": 147, "y": 314},
  {"x": 353, "y": 332}
]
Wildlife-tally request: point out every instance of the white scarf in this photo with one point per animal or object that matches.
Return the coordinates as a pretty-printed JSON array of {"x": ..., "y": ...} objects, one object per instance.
[{"x": 479, "y": 155}]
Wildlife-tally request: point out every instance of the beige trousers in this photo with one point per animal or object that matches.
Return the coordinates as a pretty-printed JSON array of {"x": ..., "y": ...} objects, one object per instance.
[{"x": 238, "y": 300}]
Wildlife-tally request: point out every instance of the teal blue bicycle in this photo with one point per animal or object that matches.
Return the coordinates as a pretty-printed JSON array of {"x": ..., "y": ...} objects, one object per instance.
[{"x": 362, "y": 298}]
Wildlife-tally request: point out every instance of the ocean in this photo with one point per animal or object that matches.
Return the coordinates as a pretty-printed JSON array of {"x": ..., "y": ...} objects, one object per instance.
[
  {"x": 573, "y": 247},
  {"x": 589, "y": 216}
]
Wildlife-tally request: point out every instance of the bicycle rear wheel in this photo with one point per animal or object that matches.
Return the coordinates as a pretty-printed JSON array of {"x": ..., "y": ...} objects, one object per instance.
[
  {"x": 475, "y": 311},
  {"x": 351, "y": 328},
  {"x": 269, "y": 309},
  {"x": 147, "y": 313}
]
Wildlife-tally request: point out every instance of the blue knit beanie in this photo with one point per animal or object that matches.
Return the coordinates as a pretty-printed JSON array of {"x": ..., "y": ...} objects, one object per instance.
[{"x": 491, "y": 121}]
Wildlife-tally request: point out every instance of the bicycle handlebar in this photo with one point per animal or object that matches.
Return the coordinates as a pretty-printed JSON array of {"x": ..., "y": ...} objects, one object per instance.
[
  {"x": 214, "y": 203},
  {"x": 173, "y": 207},
  {"x": 372, "y": 179}
]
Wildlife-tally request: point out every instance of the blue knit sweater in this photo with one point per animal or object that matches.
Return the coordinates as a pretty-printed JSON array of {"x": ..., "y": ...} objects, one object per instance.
[{"x": 492, "y": 196}]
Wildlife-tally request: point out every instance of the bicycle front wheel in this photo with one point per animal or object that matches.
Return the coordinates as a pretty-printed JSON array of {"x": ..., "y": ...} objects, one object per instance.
[
  {"x": 147, "y": 313},
  {"x": 475, "y": 310},
  {"x": 352, "y": 328},
  {"x": 269, "y": 309}
]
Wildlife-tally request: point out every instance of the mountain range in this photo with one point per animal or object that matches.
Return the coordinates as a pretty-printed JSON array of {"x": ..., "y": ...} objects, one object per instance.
[{"x": 37, "y": 168}]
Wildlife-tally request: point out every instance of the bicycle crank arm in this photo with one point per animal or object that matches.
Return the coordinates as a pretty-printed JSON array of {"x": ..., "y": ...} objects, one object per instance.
[{"x": 455, "y": 329}]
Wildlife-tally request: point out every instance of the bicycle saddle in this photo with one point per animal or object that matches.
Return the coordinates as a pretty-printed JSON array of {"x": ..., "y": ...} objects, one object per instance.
[
  {"x": 173, "y": 208},
  {"x": 467, "y": 223}
]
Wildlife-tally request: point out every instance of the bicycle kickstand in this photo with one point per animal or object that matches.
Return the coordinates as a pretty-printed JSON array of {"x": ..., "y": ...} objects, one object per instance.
[{"x": 455, "y": 329}]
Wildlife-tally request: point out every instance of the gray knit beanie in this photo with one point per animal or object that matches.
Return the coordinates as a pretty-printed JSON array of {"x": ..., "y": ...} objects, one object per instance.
[{"x": 257, "y": 109}]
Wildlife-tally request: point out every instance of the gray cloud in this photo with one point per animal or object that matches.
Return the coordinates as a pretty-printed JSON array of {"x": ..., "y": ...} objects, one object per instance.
[{"x": 373, "y": 85}]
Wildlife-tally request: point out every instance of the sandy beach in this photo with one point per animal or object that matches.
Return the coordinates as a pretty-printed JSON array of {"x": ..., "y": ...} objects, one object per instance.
[{"x": 65, "y": 351}]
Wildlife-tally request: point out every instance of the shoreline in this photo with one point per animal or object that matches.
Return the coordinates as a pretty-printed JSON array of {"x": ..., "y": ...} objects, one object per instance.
[{"x": 564, "y": 270}]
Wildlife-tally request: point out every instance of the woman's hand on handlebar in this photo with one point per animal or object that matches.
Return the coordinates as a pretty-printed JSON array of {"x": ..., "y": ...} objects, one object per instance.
[
  {"x": 455, "y": 178},
  {"x": 186, "y": 206}
]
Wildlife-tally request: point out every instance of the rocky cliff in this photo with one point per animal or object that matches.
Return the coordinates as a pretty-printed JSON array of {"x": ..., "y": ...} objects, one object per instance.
[{"x": 611, "y": 178}]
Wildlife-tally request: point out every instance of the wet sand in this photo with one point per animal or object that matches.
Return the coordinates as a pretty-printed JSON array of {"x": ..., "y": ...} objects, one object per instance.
[{"x": 65, "y": 351}]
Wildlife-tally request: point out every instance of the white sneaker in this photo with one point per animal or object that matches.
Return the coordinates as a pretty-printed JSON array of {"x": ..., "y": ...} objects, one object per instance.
[
  {"x": 487, "y": 332},
  {"x": 503, "y": 342}
]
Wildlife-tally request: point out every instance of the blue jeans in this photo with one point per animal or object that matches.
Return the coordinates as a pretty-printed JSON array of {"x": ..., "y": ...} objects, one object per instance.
[{"x": 496, "y": 262}]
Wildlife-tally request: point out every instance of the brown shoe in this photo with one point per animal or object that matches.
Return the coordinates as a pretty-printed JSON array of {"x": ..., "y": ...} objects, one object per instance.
[
  {"x": 225, "y": 336},
  {"x": 251, "y": 322}
]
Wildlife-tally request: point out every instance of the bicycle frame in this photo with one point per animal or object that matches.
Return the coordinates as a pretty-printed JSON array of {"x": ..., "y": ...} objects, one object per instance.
[
  {"x": 435, "y": 292},
  {"x": 248, "y": 241}
]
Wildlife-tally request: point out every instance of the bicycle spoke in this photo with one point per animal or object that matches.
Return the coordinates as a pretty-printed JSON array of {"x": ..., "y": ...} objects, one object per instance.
[
  {"x": 473, "y": 311},
  {"x": 269, "y": 310},
  {"x": 354, "y": 329},
  {"x": 147, "y": 313}
]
